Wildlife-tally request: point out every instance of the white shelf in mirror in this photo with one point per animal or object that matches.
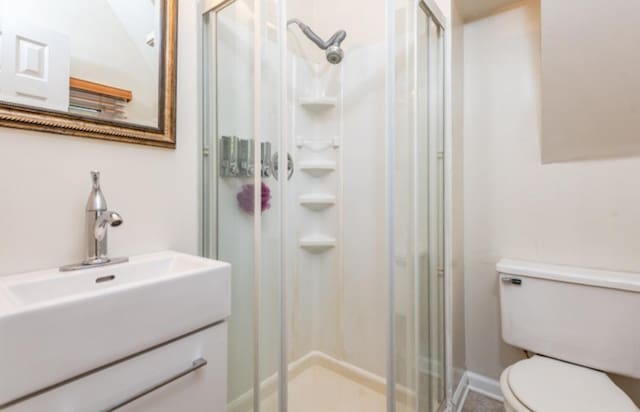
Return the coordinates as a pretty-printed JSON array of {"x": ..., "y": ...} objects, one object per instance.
[
  {"x": 318, "y": 102},
  {"x": 317, "y": 200},
  {"x": 317, "y": 243},
  {"x": 317, "y": 166}
]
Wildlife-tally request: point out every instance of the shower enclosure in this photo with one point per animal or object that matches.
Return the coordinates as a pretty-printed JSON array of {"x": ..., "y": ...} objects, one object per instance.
[{"x": 323, "y": 186}]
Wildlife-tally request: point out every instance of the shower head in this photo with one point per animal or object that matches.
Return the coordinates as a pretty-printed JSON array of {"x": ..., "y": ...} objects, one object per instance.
[
  {"x": 334, "y": 54},
  {"x": 331, "y": 46}
]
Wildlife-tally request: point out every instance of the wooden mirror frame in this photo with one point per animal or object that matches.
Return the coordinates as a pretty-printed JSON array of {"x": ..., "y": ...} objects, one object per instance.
[{"x": 164, "y": 135}]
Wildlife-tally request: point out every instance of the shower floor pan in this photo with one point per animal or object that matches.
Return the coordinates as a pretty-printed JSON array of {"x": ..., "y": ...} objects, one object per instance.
[{"x": 318, "y": 383}]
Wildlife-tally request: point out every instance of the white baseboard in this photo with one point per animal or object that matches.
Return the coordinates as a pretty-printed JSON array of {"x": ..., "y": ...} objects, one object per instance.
[
  {"x": 485, "y": 386},
  {"x": 460, "y": 394},
  {"x": 472, "y": 381}
]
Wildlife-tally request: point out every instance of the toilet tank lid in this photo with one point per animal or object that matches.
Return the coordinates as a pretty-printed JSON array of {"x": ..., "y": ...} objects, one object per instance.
[{"x": 592, "y": 277}]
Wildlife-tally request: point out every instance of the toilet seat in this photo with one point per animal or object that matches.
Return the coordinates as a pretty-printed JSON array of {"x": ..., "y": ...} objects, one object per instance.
[{"x": 542, "y": 384}]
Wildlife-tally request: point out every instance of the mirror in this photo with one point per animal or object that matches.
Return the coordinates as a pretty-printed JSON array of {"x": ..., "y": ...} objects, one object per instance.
[{"x": 98, "y": 68}]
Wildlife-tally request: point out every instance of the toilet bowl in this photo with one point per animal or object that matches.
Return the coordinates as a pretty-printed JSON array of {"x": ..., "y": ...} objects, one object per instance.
[{"x": 543, "y": 384}]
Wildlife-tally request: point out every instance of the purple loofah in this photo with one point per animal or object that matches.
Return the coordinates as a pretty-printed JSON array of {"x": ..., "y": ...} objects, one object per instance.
[{"x": 245, "y": 198}]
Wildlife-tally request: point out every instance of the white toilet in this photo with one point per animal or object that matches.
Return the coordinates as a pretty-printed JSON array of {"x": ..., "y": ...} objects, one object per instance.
[{"x": 579, "y": 322}]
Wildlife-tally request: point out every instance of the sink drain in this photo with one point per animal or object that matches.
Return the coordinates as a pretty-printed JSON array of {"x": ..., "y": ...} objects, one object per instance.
[{"x": 102, "y": 279}]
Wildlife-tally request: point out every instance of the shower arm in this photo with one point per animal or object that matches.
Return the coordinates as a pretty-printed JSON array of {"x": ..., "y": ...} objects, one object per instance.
[{"x": 337, "y": 37}]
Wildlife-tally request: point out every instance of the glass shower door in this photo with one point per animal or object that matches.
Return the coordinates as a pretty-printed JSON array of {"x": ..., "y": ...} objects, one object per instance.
[
  {"x": 249, "y": 95},
  {"x": 241, "y": 193},
  {"x": 430, "y": 215},
  {"x": 418, "y": 208},
  {"x": 229, "y": 177}
]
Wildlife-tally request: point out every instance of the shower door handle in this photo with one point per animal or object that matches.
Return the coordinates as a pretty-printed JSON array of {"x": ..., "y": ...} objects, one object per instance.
[{"x": 275, "y": 165}]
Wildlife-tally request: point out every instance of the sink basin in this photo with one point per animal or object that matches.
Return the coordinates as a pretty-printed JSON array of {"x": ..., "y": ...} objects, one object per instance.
[{"x": 56, "y": 325}]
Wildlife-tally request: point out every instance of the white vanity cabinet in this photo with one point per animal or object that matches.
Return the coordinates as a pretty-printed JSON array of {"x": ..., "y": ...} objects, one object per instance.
[
  {"x": 203, "y": 389},
  {"x": 117, "y": 337}
]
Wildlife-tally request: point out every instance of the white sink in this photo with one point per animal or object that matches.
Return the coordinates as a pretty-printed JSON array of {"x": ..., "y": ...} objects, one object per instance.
[{"x": 56, "y": 325}]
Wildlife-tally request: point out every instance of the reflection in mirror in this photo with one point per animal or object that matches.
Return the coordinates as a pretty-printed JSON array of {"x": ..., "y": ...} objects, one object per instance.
[{"x": 98, "y": 59}]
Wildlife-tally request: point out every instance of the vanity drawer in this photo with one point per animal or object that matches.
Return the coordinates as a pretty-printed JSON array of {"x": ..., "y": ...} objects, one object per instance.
[{"x": 203, "y": 389}]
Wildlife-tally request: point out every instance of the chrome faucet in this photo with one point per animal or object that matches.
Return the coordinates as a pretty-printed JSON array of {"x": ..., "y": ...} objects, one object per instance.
[{"x": 97, "y": 220}]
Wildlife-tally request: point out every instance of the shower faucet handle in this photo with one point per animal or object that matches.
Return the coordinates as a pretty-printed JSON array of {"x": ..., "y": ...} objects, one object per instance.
[
  {"x": 275, "y": 166},
  {"x": 265, "y": 159},
  {"x": 246, "y": 158},
  {"x": 229, "y": 156}
]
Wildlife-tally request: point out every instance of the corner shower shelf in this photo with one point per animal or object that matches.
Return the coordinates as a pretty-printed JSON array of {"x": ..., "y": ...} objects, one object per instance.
[
  {"x": 317, "y": 201},
  {"x": 318, "y": 166},
  {"x": 319, "y": 102},
  {"x": 317, "y": 243},
  {"x": 318, "y": 144}
]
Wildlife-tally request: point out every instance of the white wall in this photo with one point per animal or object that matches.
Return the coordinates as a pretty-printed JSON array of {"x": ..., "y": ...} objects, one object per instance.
[
  {"x": 475, "y": 9},
  {"x": 44, "y": 184},
  {"x": 457, "y": 165},
  {"x": 588, "y": 56},
  {"x": 582, "y": 213},
  {"x": 364, "y": 242},
  {"x": 141, "y": 20}
]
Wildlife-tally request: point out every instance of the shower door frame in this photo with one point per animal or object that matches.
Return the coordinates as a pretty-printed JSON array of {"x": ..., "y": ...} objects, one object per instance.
[
  {"x": 432, "y": 11},
  {"x": 208, "y": 162},
  {"x": 208, "y": 158},
  {"x": 429, "y": 10}
]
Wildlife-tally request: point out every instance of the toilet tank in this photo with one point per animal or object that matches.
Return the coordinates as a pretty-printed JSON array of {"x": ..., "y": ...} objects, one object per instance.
[{"x": 583, "y": 316}]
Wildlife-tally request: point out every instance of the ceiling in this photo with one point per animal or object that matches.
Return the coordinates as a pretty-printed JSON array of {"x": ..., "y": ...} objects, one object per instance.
[{"x": 475, "y": 9}]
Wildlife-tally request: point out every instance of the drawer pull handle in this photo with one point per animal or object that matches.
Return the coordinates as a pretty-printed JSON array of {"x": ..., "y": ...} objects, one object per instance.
[{"x": 197, "y": 364}]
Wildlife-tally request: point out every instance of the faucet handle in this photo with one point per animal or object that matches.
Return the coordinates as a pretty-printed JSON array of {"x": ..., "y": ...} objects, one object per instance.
[
  {"x": 95, "y": 179},
  {"x": 96, "y": 201}
]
